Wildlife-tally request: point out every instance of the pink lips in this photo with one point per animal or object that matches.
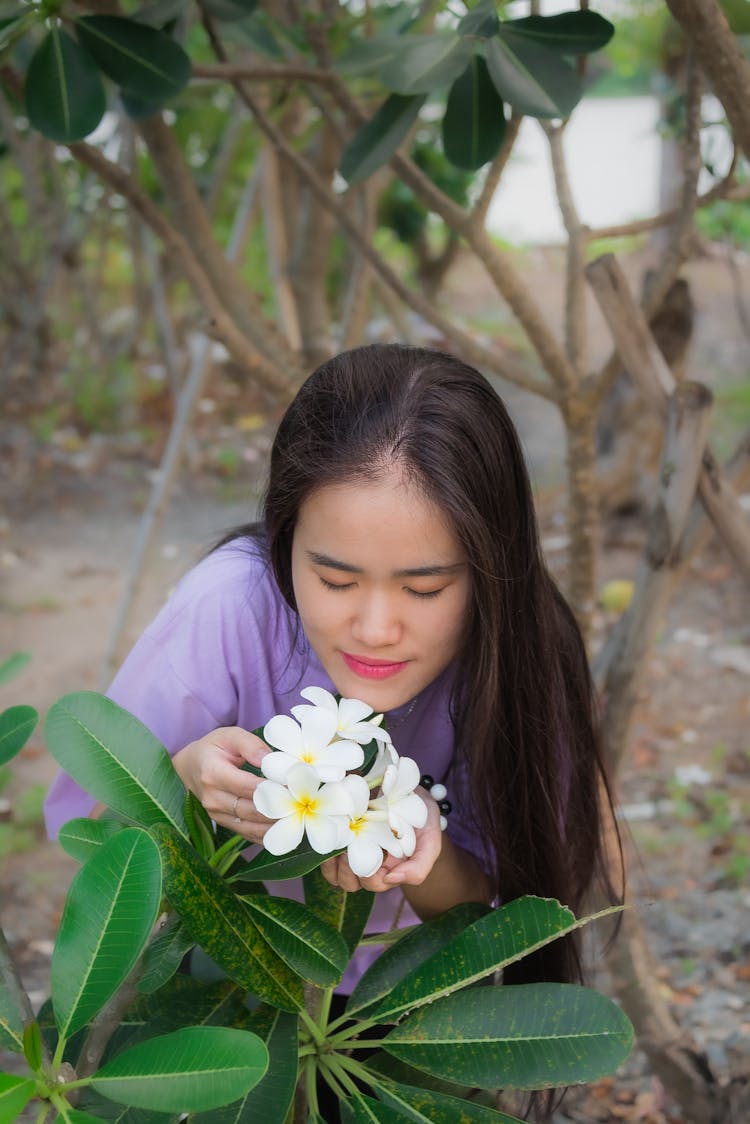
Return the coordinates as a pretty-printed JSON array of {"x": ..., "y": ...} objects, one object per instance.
[{"x": 372, "y": 669}]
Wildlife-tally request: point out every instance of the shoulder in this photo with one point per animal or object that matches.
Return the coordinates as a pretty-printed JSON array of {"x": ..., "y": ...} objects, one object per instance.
[{"x": 235, "y": 578}]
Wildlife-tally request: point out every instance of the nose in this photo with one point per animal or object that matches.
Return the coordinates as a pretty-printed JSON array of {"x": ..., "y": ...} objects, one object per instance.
[{"x": 376, "y": 623}]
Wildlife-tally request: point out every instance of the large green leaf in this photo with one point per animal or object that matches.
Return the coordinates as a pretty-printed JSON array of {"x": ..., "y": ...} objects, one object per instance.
[
  {"x": 79, "y": 838},
  {"x": 347, "y": 913},
  {"x": 532, "y": 79},
  {"x": 141, "y": 60},
  {"x": 410, "y": 953},
  {"x": 65, "y": 97},
  {"x": 426, "y": 63},
  {"x": 375, "y": 143},
  {"x": 360, "y": 1109},
  {"x": 112, "y": 755},
  {"x": 567, "y": 33},
  {"x": 271, "y": 1098},
  {"x": 220, "y": 923},
  {"x": 369, "y": 56},
  {"x": 110, "y": 910},
  {"x": 313, "y": 948},
  {"x": 15, "y": 1094},
  {"x": 474, "y": 121},
  {"x": 481, "y": 20},
  {"x": 427, "y": 1105},
  {"x": 191, "y": 1070},
  {"x": 527, "y": 1036},
  {"x": 16, "y": 726}
]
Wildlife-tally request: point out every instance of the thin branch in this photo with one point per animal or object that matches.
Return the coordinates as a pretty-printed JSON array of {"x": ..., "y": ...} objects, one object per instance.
[
  {"x": 265, "y": 72},
  {"x": 479, "y": 211},
  {"x": 575, "y": 257}
]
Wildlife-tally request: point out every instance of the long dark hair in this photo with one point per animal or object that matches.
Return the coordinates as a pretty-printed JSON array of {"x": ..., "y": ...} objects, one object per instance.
[{"x": 523, "y": 705}]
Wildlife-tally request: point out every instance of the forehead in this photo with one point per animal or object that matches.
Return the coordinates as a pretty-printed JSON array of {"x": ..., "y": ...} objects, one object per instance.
[{"x": 372, "y": 522}]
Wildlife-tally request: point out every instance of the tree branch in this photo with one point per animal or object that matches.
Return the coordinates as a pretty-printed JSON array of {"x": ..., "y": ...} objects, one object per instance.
[{"x": 575, "y": 304}]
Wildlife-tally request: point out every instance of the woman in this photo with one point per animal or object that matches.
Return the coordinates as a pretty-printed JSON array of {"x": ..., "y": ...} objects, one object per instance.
[{"x": 398, "y": 562}]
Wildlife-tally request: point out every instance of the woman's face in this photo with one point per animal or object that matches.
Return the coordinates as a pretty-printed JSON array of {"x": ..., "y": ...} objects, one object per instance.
[{"x": 382, "y": 588}]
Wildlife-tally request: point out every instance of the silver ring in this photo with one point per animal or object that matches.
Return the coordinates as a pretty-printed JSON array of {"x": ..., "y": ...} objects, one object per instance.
[{"x": 234, "y": 809}]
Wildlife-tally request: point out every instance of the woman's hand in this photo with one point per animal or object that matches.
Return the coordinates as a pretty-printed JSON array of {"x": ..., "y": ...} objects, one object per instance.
[
  {"x": 211, "y": 768},
  {"x": 412, "y": 871}
]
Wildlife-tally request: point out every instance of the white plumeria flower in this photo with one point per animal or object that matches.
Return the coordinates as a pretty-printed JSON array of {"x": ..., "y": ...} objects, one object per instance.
[
  {"x": 385, "y": 756},
  {"x": 310, "y": 742},
  {"x": 404, "y": 807},
  {"x": 303, "y": 806},
  {"x": 355, "y": 720},
  {"x": 369, "y": 833}
]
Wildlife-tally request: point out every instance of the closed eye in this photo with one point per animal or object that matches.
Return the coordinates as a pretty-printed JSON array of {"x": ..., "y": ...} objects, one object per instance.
[
  {"x": 425, "y": 594},
  {"x": 335, "y": 585}
]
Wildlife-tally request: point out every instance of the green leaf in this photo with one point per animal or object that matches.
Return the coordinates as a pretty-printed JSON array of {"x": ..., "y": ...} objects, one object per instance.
[
  {"x": 79, "y": 838},
  {"x": 12, "y": 1019},
  {"x": 160, "y": 12},
  {"x": 217, "y": 920},
  {"x": 532, "y": 79},
  {"x": 427, "y": 1105},
  {"x": 65, "y": 97},
  {"x": 426, "y": 63},
  {"x": 347, "y": 913},
  {"x": 271, "y": 1098},
  {"x": 369, "y": 56},
  {"x": 527, "y": 1036},
  {"x": 191, "y": 1070},
  {"x": 265, "y": 867},
  {"x": 15, "y": 1094},
  {"x": 411, "y": 952},
  {"x": 112, "y": 755},
  {"x": 375, "y": 143},
  {"x": 111, "y": 907},
  {"x": 32, "y": 1045},
  {"x": 567, "y": 33},
  {"x": 474, "y": 121},
  {"x": 230, "y": 10},
  {"x": 481, "y": 20},
  {"x": 16, "y": 726},
  {"x": 164, "y": 955},
  {"x": 199, "y": 826},
  {"x": 314, "y": 949},
  {"x": 361, "y": 1109},
  {"x": 13, "y": 665},
  {"x": 141, "y": 60},
  {"x": 75, "y": 1116}
]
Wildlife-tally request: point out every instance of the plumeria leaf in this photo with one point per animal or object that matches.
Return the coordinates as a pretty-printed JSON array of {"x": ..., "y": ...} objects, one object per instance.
[
  {"x": 361, "y": 1109},
  {"x": 271, "y": 1098},
  {"x": 568, "y": 33},
  {"x": 140, "y": 59},
  {"x": 16, "y": 727},
  {"x": 109, "y": 913},
  {"x": 347, "y": 913},
  {"x": 499, "y": 938},
  {"x": 32, "y": 1045},
  {"x": 474, "y": 121},
  {"x": 377, "y": 141},
  {"x": 217, "y": 920},
  {"x": 409, "y": 953},
  {"x": 490, "y": 1036},
  {"x": 199, "y": 826},
  {"x": 313, "y": 948},
  {"x": 531, "y": 78},
  {"x": 112, "y": 755},
  {"x": 433, "y": 1107},
  {"x": 79, "y": 838},
  {"x": 13, "y": 665},
  {"x": 369, "y": 56},
  {"x": 164, "y": 955},
  {"x": 481, "y": 20},
  {"x": 15, "y": 1094},
  {"x": 277, "y": 868},
  {"x": 191, "y": 1070},
  {"x": 426, "y": 63},
  {"x": 65, "y": 97}
]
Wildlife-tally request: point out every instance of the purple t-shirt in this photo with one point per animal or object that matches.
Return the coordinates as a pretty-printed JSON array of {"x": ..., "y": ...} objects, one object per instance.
[{"x": 226, "y": 650}]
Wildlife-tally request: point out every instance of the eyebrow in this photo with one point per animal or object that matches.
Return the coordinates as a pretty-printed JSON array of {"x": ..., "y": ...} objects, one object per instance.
[{"x": 434, "y": 570}]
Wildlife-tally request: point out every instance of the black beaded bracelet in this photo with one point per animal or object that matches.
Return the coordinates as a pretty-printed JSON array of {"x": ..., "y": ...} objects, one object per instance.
[{"x": 439, "y": 793}]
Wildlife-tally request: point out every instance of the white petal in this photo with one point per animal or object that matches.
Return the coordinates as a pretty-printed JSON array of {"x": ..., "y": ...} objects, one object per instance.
[
  {"x": 318, "y": 696},
  {"x": 352, "y": 711},
  {"x": 411, "y": 808},
  {"x": 365, "y": 732},
  {"x": 318, "y": 727},
  {"x": 283, "y": 836},
  {"x": 335, "y": 800},
  {"x": 380, "y": 831},
  {"x": 359, "y": 793},
  {"x": 302, "y": 781},
  {"x": 323, "y": 832},
  {"x": 401, "y": 779},
  {"x": 347, "y": 755},
  {"x": 282, "y": 732},
  {"x": 406, "y": 836},
  {"x": 276, "y": 765},
  {"x": 273, "y": 800},
  {"x": 329, "y": 771},
  {"x": 365, "y": 856}
]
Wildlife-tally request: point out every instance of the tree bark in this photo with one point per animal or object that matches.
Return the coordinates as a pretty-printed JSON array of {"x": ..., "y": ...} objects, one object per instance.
[
  {"x": 583, "y": 506},
  {"x": 728, "y": 71}
]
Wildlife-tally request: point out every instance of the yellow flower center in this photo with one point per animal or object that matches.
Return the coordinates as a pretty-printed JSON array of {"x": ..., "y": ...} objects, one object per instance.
[
  {"x": 357, "y": 825},
  {"x": 307, "y": 757},
  {"x": 307, "y": 806}
]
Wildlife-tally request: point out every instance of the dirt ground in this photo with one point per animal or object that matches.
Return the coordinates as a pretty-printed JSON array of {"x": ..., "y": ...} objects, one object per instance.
[{"x": 71, "y": 523}]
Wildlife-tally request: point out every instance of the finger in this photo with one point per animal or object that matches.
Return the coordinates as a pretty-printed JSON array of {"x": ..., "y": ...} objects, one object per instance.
[{"x": 241, "y": 743}]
